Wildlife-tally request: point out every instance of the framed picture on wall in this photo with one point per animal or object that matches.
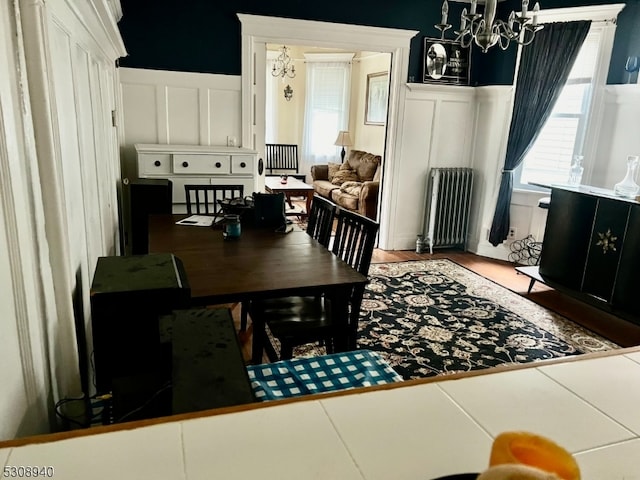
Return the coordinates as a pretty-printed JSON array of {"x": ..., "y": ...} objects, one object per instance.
[
  {"x": 445, "y": 61},
  {"x": 377, "y": 96}
]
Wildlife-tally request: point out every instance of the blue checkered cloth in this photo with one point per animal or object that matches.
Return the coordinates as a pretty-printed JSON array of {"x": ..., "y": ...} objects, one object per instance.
[{"x": 328, "y": 373}]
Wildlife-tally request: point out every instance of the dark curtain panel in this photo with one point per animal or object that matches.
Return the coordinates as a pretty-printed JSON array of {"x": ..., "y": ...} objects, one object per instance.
[{"x": 544, "y": 68}]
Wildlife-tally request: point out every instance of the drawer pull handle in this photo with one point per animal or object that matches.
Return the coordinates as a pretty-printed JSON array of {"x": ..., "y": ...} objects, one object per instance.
[
  {"x": 185, "y": 164},
  {"x": 157, "y": 163},
  {"x": 218, "y": 164},
  {"x": 242, "y": 165}
]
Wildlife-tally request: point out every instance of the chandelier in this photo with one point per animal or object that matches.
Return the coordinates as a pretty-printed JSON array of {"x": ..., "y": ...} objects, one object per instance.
[
  {"x": 282, "y": 66},
  {"x": 485, "y": 30}
]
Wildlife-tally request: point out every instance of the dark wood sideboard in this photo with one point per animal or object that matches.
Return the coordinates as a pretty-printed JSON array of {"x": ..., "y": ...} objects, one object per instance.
[{"x": 591, "y": 249}]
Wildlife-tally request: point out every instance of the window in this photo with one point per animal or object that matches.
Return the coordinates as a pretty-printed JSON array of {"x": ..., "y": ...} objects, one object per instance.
[
  {"x": 327, "y": 105},
  {"x": 563, "y": 136}
]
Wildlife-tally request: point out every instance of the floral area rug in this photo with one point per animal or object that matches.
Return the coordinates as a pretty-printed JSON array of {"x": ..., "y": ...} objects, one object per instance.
[{"x": 433, "y": 317}]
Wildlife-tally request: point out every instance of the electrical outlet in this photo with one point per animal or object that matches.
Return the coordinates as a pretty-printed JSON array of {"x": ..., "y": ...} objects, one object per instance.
[
  {"x": 231, "y": 141},
  {"x": 512, "y": 233}
]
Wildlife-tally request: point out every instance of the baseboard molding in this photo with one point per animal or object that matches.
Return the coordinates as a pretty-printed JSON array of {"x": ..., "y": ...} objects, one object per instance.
[{"x": 485, "y": 249}]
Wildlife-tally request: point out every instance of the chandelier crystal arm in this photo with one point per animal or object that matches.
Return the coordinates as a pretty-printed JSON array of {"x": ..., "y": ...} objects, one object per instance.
[{"x": 485, "y": 30}]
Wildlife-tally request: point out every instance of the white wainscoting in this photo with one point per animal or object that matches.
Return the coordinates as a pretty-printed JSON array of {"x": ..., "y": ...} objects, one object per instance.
[
  {"x": 179, "y": 108},
  {"x": 619, "y": 135},
  {"x": 437, "y": 131}
]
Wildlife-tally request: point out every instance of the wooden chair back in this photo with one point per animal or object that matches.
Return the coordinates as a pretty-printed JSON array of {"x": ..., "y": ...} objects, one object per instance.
[
  {"x": 281, "y": 158},
  {"x": 355, "y": 239},
  {"x": 320, "y": 221},
  {"x": 204, "y": 199},
  {"x": 354, "y": 243}
]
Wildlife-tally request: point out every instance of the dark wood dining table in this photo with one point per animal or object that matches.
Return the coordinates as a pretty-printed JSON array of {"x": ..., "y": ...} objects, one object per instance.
[{"x": 261, "y": 263}]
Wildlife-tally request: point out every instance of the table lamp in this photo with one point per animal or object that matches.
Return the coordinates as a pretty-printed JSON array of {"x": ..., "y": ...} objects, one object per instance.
[{"x": 343, "y": 140}]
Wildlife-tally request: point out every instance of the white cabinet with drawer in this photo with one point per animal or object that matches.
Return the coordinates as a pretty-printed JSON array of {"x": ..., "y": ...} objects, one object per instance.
[
  {"x": 199, "y": 164},
  {"x": 153, "y": 164}
]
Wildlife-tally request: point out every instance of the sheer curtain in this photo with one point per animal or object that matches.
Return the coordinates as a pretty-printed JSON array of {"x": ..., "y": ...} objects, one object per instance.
[{"x": 326, "y": 109}]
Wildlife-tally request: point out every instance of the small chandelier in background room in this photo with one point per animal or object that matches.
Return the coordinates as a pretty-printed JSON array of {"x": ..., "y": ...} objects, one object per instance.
[
  {"x": 288, "y": 92},
  {"x": 485, "y": 30},
  {"x": 282, "y": 65}
]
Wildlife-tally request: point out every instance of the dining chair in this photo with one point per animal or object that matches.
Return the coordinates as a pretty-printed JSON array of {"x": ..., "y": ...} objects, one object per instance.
[
  {"x": 320, "y": 221},
  {"x": 282, "y": 159},
  {"x": 296, "y": 321},
  {"x": 204, "y": 199}
]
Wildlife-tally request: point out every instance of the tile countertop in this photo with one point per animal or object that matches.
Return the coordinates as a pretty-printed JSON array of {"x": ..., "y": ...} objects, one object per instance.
[{"x": 412, "y": 430}]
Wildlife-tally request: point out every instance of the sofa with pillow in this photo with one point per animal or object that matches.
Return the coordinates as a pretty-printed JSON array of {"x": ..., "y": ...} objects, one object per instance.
[{"x": 353, "y": 184}]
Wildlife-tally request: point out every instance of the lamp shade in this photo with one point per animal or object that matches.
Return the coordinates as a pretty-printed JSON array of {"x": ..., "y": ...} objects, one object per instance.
[{"x": 344, "y": 139}]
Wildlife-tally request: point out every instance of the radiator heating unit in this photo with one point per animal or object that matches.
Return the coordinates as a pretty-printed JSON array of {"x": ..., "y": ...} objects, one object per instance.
[{"x": 448, "y": 207}]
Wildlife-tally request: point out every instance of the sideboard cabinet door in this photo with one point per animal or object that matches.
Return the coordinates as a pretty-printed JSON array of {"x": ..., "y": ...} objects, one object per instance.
[
  {"x": 566, "y": 238},
  {"x": 607, "y": 238},
  {"x": 626, "y": 294}
]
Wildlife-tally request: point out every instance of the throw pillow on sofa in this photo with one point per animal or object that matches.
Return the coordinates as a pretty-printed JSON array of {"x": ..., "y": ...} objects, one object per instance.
[
  {"x": 344, "y": 175},
  {"x": 333, "y": 169},
  {"x": 352, "y": 188},
  {"x": 366, "y": 164}
]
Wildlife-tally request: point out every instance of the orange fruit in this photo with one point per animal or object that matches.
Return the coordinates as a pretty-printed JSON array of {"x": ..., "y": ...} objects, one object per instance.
[{"x": 534, "y": 450}]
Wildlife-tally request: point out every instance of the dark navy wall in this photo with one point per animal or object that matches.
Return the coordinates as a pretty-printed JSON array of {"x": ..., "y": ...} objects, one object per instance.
[{"x": 204, "y": 35}]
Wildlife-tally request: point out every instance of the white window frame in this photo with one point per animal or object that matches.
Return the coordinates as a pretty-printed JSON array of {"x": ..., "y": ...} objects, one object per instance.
[{"x": 603, "y": 18}]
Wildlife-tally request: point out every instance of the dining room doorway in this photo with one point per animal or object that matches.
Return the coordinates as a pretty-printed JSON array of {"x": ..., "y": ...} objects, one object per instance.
[{"x": 258, "y": 31}]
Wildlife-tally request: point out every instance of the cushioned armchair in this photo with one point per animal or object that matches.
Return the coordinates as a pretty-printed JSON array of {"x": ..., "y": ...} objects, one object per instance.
[{"x": 353, "y": 185}]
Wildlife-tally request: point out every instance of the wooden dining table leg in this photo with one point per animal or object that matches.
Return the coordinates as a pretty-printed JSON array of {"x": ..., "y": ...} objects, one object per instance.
[
  {"x": 258, "y": 338},
  {"x": 340, "y": 312}
]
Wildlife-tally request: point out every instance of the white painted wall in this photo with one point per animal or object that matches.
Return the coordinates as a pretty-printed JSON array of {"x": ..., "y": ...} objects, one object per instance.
[{"x": 59, "y": 171}]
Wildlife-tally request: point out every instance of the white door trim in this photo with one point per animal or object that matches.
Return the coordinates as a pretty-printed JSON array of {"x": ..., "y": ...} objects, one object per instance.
[{"x": 257, "y": 31}]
